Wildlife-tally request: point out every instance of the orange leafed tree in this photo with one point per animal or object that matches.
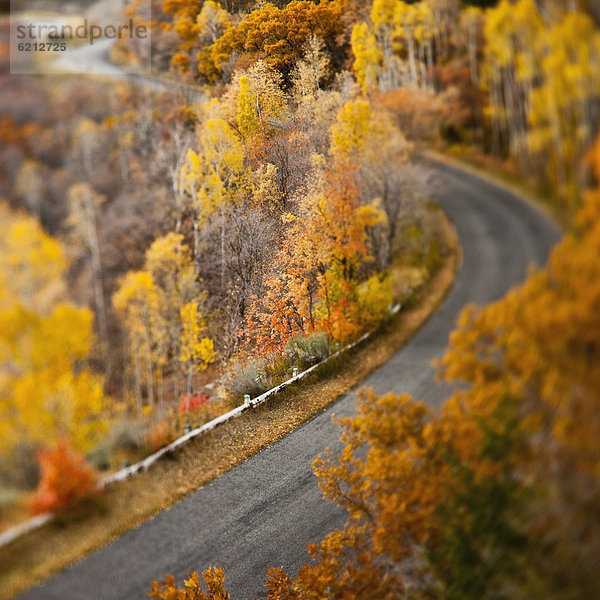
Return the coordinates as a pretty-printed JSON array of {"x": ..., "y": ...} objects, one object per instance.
[
  {"x": 497, "y": 494},
  {"x": 279, "y": 35},
  {"x": 314, "y": 283},
  {"x": 66, "y": 479},
  {"x": 214, "y": 579}
]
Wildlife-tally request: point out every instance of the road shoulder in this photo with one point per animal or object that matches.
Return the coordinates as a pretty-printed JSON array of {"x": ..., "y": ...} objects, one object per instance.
[{"x": 44, "y": 552}]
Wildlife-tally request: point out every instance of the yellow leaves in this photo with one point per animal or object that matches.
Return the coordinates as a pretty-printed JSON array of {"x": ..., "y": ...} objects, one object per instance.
[
  {"x": 78, "y": 406},
  {"x": 31, "y": 262},
  {"x": 212, "y": 20},
  {"x": 542, "y": 74},
  {"x": 194, "y": 350},
  {"x": 247, "y": 115},
  {"x": 374, "y": 297},
  {"x": 44, "y": 390},
  {"x": 220, "y": 148},
  {"x": 213, "y": 176},
  {"x": 382, "y": 12},
  {"x": 367, "y": 56},
  {"x": 169, "y": 262},
  {"x": 265, "y": 192},
  {"x": 68, "y": 331},
  {"x": 259, "y": 99},
  {"x": 193, "y": 581},
  {"x": 160, "y": 308},
  {"x": 137, "y": 296},
  {"x": 349, "y": 133}
]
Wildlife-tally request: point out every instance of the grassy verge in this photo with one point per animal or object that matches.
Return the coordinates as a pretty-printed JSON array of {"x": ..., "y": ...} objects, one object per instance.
[{"x": 43, "y": 552}]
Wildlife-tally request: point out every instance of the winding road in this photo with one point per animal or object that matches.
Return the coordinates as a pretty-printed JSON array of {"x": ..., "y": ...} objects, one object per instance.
[{"x": 264, "y": 512}]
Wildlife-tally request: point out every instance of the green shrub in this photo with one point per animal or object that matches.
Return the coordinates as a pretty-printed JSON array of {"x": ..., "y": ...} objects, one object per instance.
[
  {"x": 308, "y": 350},
  {"x": 99, "y": 457}
]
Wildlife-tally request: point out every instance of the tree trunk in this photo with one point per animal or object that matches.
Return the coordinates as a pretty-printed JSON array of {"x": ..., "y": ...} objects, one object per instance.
[
  {"x": 189, "y": 394},
  {"x": 149, "y": 374},
  {"x": 411, "y": 56},
  {"x": 222, "y": 252},
  {"x": 137, "y": 380},
  {"x": 98, "y": 284}
]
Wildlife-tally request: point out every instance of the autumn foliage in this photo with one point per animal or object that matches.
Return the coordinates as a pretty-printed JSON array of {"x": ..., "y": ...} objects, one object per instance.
[
  {"x": 66, "y": 479},
  {"x": 46, "y": 388},
  {"x": 191, "y": 403},
  {"x": 214, "y": 580},
  {"x": 279, "y": 34},
  {"x": 497, "y": 493}
]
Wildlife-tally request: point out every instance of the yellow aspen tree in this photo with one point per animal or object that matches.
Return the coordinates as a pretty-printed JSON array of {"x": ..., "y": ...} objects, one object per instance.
[
  {"x": 382, "y": 17},
  {"x": 561, "y": 115},
  {"x": 196, "y": 352},
  {"x": 31, "y": 263},
  {"x": 137, "y": 303},
  {"x": 170, "y": 263},
  {"x": 350, "y": 131},
  {"x": 367, "y": 56},
  {"x": 212, "y": 20},
  {"x": 46, "y": 391},
  {"x": 499, "y": 75},
  {"x": 215, "y": 178},
  {"x": 445, "y": 17},
  {"x": 541, "y": 74},
  {"x": 404, "y": 18},
  {"x": 247, "y": 116},
  {"x": 424, "y": 33},
  {"x": 260, "y": 101}
]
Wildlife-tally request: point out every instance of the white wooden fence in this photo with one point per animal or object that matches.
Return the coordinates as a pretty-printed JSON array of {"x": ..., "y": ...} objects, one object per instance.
[{"x": 13, "y": 533}]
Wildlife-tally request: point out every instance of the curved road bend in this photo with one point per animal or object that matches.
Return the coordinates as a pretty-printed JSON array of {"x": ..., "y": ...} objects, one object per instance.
[
  {"x": 264, "y": 512},
  {"x": 94, "y": 59}
]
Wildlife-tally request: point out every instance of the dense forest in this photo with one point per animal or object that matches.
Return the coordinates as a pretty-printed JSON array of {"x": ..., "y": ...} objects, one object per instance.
[{"x": 165, "y": 252}]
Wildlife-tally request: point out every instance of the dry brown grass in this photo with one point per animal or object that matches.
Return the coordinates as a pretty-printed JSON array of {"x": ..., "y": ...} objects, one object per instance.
[{"x": 43, "y": 552}]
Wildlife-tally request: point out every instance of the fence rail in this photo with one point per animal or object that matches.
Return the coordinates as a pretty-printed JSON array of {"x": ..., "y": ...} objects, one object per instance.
[{"x": 10, "y": 535}]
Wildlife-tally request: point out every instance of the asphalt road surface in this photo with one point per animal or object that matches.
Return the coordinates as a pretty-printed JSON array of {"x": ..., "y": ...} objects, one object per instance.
[
  {"x": 264, "y": 512},
  {"x": 94, "y": 59}
]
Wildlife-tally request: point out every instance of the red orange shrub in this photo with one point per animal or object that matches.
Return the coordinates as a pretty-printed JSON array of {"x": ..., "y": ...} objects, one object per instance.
[
  {"x": 66, "y": 479},
  {"x": 192, "y": 403}
]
